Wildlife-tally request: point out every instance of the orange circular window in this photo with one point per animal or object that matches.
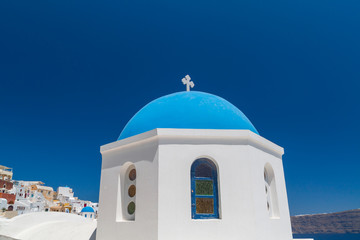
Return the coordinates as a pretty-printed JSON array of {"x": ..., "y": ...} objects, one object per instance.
[{"x": 132, "y": 191}]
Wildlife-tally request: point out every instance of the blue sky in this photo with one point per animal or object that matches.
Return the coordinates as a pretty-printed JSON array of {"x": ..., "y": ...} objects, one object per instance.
[{"x": 72, "y": 73}]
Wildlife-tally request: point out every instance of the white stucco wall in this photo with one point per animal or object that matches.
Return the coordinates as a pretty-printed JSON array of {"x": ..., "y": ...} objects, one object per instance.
[
  {"x": 110, "y": 223},
  {"x": 65, "y": 191},
  {"x": 163, "y": 159},
  {"x": 266, "y": 226},
  {"x": 242, "y": 203},
  {"x": 3, "y": 203}
]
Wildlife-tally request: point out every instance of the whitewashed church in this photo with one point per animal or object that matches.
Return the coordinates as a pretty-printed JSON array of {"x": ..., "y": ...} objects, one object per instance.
[{"x": 191, "y": 166}]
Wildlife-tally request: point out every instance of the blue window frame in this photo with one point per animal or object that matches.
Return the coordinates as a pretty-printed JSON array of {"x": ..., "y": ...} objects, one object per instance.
[{"x": 204, "y": 190}]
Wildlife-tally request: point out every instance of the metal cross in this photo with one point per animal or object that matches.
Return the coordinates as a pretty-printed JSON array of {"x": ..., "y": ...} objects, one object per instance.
[{"x": 186, "y": 81}]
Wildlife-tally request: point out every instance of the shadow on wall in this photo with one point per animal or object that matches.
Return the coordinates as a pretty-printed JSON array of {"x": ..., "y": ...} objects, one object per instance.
[
  {"x": 2, "y": 237},
  {"x": 92, "y": 237}
]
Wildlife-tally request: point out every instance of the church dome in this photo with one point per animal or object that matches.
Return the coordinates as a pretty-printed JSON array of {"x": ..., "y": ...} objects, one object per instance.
[
  {"x": 87, "y": 209},
  {"x": 188, "y": 110}
]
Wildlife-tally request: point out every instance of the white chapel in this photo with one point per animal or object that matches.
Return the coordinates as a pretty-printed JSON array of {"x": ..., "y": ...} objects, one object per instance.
[{"x": 191, "y": 166}]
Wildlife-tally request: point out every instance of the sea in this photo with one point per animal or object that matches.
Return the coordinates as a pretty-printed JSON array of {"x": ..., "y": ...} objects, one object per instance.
[{"x": 329, "y": 236}]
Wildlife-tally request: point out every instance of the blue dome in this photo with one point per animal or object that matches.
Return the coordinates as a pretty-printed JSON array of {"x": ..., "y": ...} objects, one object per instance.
[
  {"x": 191, "y": 110},
  {"x": 87, "y": 209}
]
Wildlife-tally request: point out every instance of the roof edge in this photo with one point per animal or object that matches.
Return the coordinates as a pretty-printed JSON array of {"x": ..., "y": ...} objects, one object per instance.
[{"x": 197, "y": 136}]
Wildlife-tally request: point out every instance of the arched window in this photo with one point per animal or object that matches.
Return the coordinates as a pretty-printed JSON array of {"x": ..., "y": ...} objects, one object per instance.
[
  {"x": 126, "y": 199},
  {"x": 204, "y": 189},
  {"x": 130, "y": 194},
  {"x": 267, "y": 191},
  {"x": 270, "y": 191}
]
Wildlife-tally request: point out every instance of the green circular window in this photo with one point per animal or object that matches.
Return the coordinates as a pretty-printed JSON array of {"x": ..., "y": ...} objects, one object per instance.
[
  {"x": 132, "y": 191},
  {"x": 131, "y": 208},
  {"x": 132, "y": 175}
]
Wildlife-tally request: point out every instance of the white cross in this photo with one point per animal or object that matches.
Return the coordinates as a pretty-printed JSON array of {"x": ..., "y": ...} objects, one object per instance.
[{"x": 186, "y": 81}]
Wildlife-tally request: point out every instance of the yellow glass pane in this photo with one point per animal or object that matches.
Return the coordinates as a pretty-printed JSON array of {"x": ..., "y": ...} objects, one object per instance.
[
  {"x": 132, "y": 191},
  {"x": 205, "y": 205}
]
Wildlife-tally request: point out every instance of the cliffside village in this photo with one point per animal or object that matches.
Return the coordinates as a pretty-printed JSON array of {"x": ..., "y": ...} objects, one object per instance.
[{"x": 19, "y": 197}]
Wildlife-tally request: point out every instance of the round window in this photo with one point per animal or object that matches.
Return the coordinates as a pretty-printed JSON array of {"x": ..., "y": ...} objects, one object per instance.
[
  {"x": 132, "y": 191},
  {"x": 131, "y": 208},
  {"x": 132, "y": 175}
]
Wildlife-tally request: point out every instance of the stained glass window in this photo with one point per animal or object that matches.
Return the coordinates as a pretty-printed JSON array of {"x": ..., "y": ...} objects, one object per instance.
[
  {"x": 128, "y": 193},
  {"x": 132, "y": 175},
  {"x": 132, "y": 191},
  {"x": 204, "y": 189},
  {"x": 131, "y": 208},
  {"x": 205, "y": 205},
  {"x": 203, "y": 170}
]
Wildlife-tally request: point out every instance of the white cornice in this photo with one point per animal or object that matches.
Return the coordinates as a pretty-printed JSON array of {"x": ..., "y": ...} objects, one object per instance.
[{"x": 197, "y": 136}]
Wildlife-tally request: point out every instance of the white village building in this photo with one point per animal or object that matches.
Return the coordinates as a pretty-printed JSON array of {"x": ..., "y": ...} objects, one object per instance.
[
  {"x": 3, "y": 204},
  {"x": 190, "y": 165},
  {"x": 67, "y": 192}
]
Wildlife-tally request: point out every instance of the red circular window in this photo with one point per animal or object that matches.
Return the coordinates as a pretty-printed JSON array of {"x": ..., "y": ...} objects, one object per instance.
[{"x": 132, "y": 175}]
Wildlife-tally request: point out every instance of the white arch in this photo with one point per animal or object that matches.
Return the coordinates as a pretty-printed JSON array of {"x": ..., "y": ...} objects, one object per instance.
[
  {"x": 123, "y": 198},
  {"x": 272, "y": 204}
]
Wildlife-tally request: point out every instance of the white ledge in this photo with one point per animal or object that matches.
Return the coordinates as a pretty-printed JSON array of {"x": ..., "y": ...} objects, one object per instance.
[{"x": 197, "y": 136}]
